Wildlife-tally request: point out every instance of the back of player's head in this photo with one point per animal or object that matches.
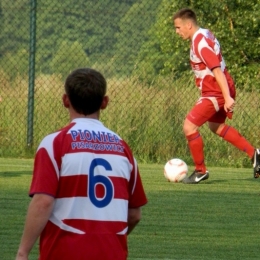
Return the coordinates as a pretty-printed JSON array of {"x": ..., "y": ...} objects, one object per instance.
[
  {"x": 186, "y": 14},
  {"x": 86, "y": 89}
]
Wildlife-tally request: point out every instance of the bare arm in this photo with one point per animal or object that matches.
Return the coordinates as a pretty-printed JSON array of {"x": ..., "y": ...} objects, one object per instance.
[
  {"x": 38, "y": 213},
  {"x": 134, "y": 216},
  {"x": 222, "y": 82}
]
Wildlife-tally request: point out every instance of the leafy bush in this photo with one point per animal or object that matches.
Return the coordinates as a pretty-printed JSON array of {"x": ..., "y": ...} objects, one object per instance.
[{"x": 68, "y": 57}]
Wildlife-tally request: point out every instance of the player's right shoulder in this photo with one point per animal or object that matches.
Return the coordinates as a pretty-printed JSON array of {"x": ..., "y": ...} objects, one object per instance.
[{"x": 47, "y": 140}]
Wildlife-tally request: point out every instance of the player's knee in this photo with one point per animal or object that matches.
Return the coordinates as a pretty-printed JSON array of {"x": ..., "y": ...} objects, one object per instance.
[
  {"x": 185, "y": 129},
  {"x": 217, "y": 129},
  {"x": 189, "y": 128},
  {"x": 213, "y": 130}
]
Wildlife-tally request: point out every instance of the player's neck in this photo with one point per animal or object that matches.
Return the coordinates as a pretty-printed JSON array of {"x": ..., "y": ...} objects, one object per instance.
[
  {"x": 74, "y": 115},
  {"x": 194, "y": 30}
]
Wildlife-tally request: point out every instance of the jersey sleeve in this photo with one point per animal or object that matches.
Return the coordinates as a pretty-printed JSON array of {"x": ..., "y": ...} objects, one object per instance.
[
  {"x": 137, "y": 194},
  {"x": 45, "y": 176},
  {"x": 205, "y": 51},
  {"x": 210, "y": 58}
]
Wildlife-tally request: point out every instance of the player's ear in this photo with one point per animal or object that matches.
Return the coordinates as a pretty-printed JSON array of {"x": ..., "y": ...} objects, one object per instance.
[
  {"x": 190, "y": 24},
  {"x": 65, "y": 100},
  {"x": 104, "y": 102}
]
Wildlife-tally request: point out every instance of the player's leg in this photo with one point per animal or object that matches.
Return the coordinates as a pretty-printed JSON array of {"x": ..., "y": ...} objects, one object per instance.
[
  {"x": 198, "y": 115},
  {"x": 231, "y": 135},
  {"x": 228, "y": 133},
  {"x": 196, "y": 145},
  {"x": 256, "y": 163}
]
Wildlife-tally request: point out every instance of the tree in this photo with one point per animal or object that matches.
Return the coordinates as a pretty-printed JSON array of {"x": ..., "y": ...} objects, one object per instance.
[
  {"x": 133, "y": 32},
  {"x": 156, "y": 56},
  {"x": 68, "y": 57},
  {"x": 91, "y": 23},
  {"x": 234, "y": 22},
  {"x": 15, "y": 64},
  {"x": 15, "y": 23}
]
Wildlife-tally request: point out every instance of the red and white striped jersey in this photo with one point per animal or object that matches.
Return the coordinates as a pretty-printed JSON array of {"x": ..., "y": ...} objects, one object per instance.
[
  {"x": 205, "y": 55},
  {"x": 94, "y": 178}
]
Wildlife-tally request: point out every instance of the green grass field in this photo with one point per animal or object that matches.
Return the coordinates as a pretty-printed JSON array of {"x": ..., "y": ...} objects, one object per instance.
[{"x": 216, "y": 219}]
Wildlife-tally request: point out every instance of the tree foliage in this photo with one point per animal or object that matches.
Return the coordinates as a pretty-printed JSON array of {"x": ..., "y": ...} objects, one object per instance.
[
  {"x": 68, "y": 57},
  {"x": 131, "y": 37},
  {"x": 15, "y": 64},
  {"x": 15, "y": 23},
  {"x": 133, "y": 32},
  {"x": 235, "y": 23},
  {"x": 91, "y": 23}
]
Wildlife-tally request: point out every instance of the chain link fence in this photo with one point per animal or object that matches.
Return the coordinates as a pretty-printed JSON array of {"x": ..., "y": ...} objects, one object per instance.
[{"x": 42, "y": 41}]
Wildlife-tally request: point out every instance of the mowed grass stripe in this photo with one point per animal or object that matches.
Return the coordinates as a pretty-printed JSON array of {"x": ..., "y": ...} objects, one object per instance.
[{"x": 216, "y": 219}]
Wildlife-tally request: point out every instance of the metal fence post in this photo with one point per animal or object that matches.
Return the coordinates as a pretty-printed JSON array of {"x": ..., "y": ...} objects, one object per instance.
[{"x": 31, "y": 73}]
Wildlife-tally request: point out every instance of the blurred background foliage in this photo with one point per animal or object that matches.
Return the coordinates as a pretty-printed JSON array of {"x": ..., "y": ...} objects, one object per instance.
[
  {"x": 128, "y": 36},
  {"x": 134, "y": 44}
]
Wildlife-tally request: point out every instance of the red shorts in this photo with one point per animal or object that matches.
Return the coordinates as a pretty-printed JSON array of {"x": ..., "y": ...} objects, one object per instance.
[{"x": 208, "y": 109}]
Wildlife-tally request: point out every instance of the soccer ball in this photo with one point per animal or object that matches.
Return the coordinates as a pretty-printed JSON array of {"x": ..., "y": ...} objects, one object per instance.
[{"x": 175, "y": 170}]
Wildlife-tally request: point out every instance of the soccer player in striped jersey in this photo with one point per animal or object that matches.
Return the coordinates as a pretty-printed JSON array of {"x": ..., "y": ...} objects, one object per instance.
[
  {"x": 86, "y": 188},
  {"x": 217, "y": 99}
]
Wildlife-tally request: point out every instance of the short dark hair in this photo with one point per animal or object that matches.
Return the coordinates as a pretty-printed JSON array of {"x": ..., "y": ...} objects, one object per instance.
[
  {"x": 186, "y": 13},
  {"x": 86, "y": 89}
]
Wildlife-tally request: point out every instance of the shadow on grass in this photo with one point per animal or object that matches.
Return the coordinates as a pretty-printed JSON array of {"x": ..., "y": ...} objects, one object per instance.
[
  {"x": 207, "y": 182},
  {"x": 217, "y": 181},
  {"x": 6, "y": 174}
]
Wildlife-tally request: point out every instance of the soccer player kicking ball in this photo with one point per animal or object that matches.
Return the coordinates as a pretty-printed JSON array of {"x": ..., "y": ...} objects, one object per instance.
[
  {"x": 86, "y": 189},
  {"x": 217, "y": 99}
]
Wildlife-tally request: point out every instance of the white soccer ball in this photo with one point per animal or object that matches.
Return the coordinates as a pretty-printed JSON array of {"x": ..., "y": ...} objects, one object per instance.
[{"x": 175, "y": 170}]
